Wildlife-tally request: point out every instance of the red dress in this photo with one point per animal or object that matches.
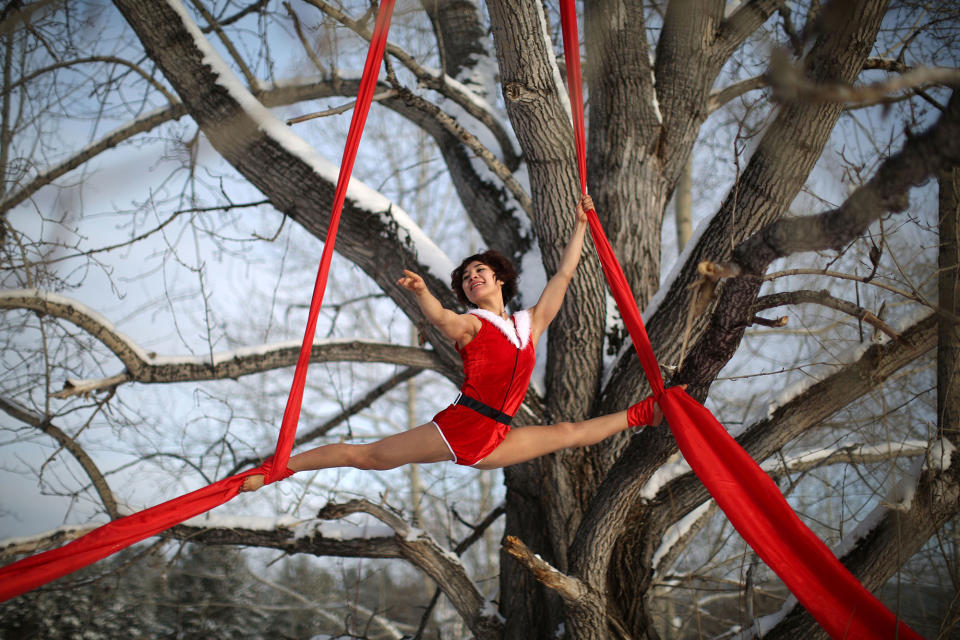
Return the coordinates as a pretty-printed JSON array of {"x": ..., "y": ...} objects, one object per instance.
[{"x": 497, "y": 365}]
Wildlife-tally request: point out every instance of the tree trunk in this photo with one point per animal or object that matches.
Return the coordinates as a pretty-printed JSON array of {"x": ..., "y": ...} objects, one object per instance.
[{"x": 948, "y": 291}]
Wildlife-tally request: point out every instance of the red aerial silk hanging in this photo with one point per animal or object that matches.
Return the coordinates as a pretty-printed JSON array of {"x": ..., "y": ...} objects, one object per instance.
[
  {"x": 749, "y": 498},
  {"x": 34, "y": 571}
]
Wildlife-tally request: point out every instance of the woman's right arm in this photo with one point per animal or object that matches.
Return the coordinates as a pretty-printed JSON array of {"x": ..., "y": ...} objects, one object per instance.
[{"x": 460, "y": 328}]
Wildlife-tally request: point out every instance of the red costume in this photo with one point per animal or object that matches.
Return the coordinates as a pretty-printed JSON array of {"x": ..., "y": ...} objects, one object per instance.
[{"x": 497, "y": 365}]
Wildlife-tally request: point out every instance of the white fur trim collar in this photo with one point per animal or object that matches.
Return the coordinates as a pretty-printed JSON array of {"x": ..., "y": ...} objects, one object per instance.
[{"x": 520, "y": 337}]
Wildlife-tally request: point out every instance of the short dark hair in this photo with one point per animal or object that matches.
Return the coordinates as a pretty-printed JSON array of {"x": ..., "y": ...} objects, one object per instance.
[{"x": 502, "y": 267}]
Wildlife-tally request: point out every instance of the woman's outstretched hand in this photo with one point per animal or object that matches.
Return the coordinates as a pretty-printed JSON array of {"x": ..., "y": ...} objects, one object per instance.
[{"x": 412, "y": 282}]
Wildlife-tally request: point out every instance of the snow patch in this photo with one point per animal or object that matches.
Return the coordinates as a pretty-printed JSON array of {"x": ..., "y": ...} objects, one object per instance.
[
  {"x": 940, "y": 456},
  {"x": 764, "y": 624},
  {"x": 66, "y": 530},
  {"x": 341, "y": 530},
  {"x": 676, "y": 532},
  {"x": 672, "y": 469},
  {"x": 490, "y": 610},
  {"x": 362, "y": 195}
]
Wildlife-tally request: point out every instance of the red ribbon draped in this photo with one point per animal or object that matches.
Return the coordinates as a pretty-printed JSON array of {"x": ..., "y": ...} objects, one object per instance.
[
  {"x": 34, "y": 571},
  {"x": 749, "y": 498}
]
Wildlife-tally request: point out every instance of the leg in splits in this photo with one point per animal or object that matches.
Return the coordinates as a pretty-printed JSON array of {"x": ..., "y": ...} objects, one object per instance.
[
  {"x": 526, "y": 443},
  {"x": 418, "y": 445}
]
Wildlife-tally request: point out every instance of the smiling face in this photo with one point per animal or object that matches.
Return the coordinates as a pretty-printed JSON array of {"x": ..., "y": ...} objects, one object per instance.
[
  {"x": 480, "y": 282},
  {"x": 491, "y": 269}
]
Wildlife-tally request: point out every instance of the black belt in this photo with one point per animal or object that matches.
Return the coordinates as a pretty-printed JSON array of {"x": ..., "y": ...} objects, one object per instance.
[{"x": 484, "y": 409}]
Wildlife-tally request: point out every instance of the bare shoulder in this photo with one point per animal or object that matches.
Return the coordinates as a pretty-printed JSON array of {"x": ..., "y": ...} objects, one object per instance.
[{"x": 469, "y": 327}]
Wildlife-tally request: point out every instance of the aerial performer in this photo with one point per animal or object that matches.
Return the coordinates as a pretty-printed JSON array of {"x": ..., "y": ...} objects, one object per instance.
[{"x": 498, "y": 352}]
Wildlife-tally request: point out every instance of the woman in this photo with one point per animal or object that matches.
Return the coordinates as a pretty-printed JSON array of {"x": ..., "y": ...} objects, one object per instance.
[{"x": 498, "y": 357}]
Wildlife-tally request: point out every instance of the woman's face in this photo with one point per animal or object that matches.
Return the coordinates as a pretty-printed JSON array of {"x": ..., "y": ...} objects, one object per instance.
[{"x": 480, "y": 282}]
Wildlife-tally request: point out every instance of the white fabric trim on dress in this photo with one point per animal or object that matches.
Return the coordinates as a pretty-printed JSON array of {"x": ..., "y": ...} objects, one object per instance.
[
  {"x": 506, "y": 327},
  {"x": 444, "y": 438}
]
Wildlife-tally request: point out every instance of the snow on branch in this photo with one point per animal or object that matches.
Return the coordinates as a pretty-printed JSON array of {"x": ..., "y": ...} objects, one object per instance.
[
  {"x": 443, "y": 84},
  {"x": 24, "y": 545},
  {"x": 147, "y": 367}
]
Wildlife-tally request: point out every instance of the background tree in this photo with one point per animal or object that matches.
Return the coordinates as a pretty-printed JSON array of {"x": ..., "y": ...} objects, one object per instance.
[{"x": 159, "y": 219}]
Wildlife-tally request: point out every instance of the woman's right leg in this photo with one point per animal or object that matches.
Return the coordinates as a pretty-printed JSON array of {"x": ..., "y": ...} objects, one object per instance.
[{"x": 418, "y": 445}]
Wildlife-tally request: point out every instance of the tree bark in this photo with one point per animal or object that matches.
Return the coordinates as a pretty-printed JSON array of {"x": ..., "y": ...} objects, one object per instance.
[
  {"x": 771, "y": 180},
  {"x": 948, "y": 293},
  {"x": 292, "y": 185},
  {"x": 544, "y": 520}
]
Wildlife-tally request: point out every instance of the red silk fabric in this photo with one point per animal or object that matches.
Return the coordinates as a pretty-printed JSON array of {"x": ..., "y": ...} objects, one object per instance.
[
  {"x": 749, "y": 498},
  {"x": 34, "y": 571}
]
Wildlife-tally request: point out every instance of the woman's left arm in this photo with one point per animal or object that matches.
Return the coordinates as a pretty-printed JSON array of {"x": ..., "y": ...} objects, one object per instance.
[{"x": 543, "y": 313}]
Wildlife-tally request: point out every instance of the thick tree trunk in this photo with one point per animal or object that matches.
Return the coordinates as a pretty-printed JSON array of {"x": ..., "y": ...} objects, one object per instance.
[
  {"x": 625, "y": 175},
  {"x": 545, "y": 520}
]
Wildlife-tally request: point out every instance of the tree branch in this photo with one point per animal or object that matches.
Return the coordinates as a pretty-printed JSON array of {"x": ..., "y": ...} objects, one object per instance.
[
  {"x": 624, "y": 495},
  {"x": 763, "y": 191},
  {"x": 99, "y": 483},
  {"x": 423, "y": 552},
  {"x": 21, "y": 546},
  {"x": 572, "y": 590},
  {"x": 145, "y": 367},
  {"x": 921, "y": 157},
  {"x": 746, "y": 19},
  {"x": 823, "y": 298},
  {"x": 789, "y": 83},
  {"x": 442, "y": 84}
]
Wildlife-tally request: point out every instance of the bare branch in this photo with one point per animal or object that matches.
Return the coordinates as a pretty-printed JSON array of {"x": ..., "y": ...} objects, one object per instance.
[
  {"x": 568, "y": 588},
  {"x": 145, "y": 367},
  {"x": 824, "y": 298},
  {"x": 914, "y": 80},
  {"x": 442, "y": 84},
  {"x": 377, "y": 97},
  {"x": 298, "y": 28},
  {"x": 722, "y": 96},
  {"x": 72, "y": 446},
  {"x": 251, "y": 79},
  {"x": 913, "y": 297},
  {"x": 239, "y": 15},
  {"x": 111, "y": 140},
  {"x": 788, "y": 83},
  {"x": 149, "y": 79},
  {"x": 456, "y": 130}
]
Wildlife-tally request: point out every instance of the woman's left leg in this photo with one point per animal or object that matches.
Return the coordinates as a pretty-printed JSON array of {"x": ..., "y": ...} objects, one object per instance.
[{"x": 527, "y": 443}]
